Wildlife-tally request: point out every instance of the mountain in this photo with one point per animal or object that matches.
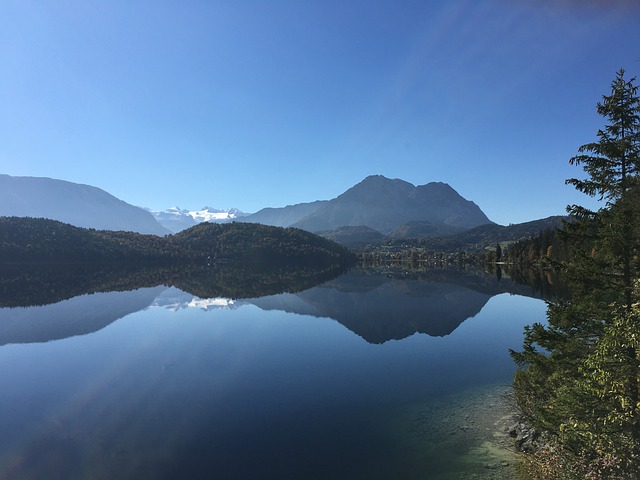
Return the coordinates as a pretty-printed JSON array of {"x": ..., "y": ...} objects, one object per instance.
[
  {"x": 212, "y": 215},
  {"x": 381, "y": 204},
  {"x": 285, "y": 216},
  {"x": 384, "y": 204},
  {"x": 177, "y": 219},
  {"x": 174, "y": 219},
  {"x": 72, "y": 203}
]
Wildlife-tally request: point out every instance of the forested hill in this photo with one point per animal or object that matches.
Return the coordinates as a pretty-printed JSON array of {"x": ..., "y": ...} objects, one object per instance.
[
  {"x": 475, "y": 239},
  {"x": 35, "y": 240},
  {"x": 255, "y": 243}
]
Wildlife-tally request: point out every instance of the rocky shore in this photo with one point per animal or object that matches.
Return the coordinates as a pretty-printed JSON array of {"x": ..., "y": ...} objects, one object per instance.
[{"x": 529, "y": 440}]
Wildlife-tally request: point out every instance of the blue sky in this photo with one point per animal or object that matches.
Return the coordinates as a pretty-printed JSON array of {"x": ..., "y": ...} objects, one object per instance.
[{"x": 252, "y": 103}]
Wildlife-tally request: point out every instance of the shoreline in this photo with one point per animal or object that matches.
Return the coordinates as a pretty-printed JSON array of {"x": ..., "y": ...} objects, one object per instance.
[{"x": 466, "y": 435}]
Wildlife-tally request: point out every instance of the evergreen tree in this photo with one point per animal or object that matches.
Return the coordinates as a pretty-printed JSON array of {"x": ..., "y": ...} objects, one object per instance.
[
  {"x": 612, "y": 163},
  {"x": 579, "y": 375}
]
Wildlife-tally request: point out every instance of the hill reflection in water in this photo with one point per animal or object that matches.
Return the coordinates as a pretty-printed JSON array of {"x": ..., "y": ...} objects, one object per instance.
[
  {"x": 376, "y": 305},
  {"x": 169, "y": 373}
]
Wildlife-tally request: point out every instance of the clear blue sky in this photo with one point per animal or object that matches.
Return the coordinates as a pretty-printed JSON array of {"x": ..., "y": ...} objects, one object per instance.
[{"x": 249, "y": 103}]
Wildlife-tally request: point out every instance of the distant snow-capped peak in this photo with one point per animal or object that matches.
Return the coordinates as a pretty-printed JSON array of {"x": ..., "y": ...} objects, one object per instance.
[
  {"x": 208, "y": 214},
  {"x": 177, "y": 219}
]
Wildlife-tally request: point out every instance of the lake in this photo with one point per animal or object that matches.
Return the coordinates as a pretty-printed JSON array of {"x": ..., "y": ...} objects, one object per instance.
[{"x": 370, "y": 375}]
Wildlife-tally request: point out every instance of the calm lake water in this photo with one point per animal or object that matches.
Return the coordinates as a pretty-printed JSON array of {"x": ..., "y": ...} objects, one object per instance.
[{"x": 366, "y": 376}]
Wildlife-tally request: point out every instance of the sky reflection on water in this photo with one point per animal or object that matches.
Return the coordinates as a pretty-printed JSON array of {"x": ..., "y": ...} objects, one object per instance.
[{"x": 235, "y": 391}]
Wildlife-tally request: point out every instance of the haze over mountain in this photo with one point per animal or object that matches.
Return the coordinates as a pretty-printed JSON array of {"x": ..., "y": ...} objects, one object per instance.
[
  {"x": 73, "y": 203},
  {"x": 382, "y": 204},
  {"x": 391, "y": 207},
  {"x": 285, "y": 216}
]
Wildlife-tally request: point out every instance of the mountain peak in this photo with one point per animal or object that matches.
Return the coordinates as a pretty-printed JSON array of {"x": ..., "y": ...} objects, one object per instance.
[
  {"x": 382, "y": 180},
  {"x": 377, "y": 188},
  {"x": 384, "y": 204},
  {"x": 437, "y": 185}
]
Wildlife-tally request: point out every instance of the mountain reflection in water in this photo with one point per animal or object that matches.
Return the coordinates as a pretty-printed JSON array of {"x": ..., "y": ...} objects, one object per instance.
[
  {"x": 376, "y": 305},
  {"x": 203, "y": 373}
]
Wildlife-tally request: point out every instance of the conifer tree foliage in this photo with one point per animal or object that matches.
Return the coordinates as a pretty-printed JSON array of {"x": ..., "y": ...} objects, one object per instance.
[
  {"x": 612, "y": 166},
  {"x": 612, "y": 163},
  {"x": 579, "y": 375}
]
